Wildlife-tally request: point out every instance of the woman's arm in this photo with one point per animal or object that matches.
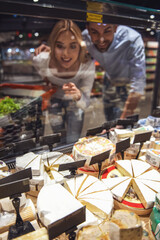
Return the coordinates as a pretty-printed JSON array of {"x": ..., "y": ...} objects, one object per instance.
[
  {"x": 85, "y": 84},
  {"x": 42, "y": 48}
]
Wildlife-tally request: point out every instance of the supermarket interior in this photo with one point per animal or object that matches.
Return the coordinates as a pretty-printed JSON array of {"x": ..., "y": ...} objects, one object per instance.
[{"x": 79, "y": 120}]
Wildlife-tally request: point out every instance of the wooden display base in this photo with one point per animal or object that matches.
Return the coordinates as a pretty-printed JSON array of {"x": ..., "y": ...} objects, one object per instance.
[
  {"x": 33, "y": 193},
  {"x": 138, "y": 211}
]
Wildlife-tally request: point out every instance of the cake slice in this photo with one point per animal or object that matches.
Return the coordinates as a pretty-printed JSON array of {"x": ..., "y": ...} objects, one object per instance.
[
  {"x": 92, "y": 193},
  {"x": 121, "y": 189},
  {"x": 139, "y": 167},
  {"x": 55, "y": 202},
  {"x": 29, "y": 160},
  {"x": 145, "y": 194},
  {"x": 125, "y": 167},
  {"x": 150, "y": 175},
  {"x": 112, "y": 182},
  {"x": 155, "y": 186}
]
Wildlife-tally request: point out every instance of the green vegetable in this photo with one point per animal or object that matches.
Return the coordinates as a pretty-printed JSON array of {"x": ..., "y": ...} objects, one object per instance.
[{"x": 8, "y": 105}]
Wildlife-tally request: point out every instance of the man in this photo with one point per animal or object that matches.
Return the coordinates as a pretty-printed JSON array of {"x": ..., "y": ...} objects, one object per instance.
[{"x": 120, "y": 51}]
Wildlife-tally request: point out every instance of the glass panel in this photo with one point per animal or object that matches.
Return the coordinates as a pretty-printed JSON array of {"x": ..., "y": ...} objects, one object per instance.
[{"x": 53, "y": 90}]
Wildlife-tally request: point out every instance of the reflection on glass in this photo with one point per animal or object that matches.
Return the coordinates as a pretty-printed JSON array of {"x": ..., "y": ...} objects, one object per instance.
[
  {"x": 65, "y": 65},
  {"x": 84, "y": 98}
]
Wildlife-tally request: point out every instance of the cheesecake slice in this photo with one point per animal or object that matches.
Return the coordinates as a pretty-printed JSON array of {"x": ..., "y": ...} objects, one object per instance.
[
  {"x": 139, "y": 167},
  {"x": 121, "y": 189},
  {"x": 152, "y": 175},
  {"x": 155, "y": 186},
  {"x": 125, "y": 167},
  {"x": 145, "y": 194},
  {"x": 113, "y": 182}
]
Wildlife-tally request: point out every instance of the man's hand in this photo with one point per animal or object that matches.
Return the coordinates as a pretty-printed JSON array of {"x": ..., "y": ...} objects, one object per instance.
[
  {"x": 42, "y": 48},
  {"x": 131, "y": 104},
  {"x": 70, "y": 89}
]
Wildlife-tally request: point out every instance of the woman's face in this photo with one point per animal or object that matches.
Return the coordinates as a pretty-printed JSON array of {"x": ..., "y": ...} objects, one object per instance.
[{"x": 66, "y": 50}]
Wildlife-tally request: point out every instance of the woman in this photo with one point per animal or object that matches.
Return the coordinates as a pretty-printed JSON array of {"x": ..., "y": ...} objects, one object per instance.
[{"x": 67, "y": 66}]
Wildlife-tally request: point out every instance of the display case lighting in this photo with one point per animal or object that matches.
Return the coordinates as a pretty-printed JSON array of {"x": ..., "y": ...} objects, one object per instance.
[
  {"x": 20, "y": 35},
  {"x": 36, "y": 34},
  {"x": 152, "y": 33},
  {"x": 9, "y": 50},
  {"x": 152, "y": 16},
  {"x": 31, "y": 50}
]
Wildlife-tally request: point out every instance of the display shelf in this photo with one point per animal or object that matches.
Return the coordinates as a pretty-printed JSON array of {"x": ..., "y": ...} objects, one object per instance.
[{"x": 151, "y": 50}]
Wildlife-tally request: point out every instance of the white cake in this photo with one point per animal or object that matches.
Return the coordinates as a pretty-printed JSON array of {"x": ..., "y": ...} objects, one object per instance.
[
  {"x": 124, "y": 167},
  {"x": 92, "y": 193},
  {"x": 55, "y": 202},
  {"x": 44, "y": 167},
  {"x": 51, "y": 161},
  {"x": 29, "y": 160},
  {"x": 112, "y": 182},
  {"x": 143, "y": 180},
  {"x": 120, "y": 190}
]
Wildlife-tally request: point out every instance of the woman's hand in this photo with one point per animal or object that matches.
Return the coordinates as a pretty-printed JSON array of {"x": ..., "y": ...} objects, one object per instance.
[
  {"x": 71, "y": 90},
  {"x": 42, "y": 48}
]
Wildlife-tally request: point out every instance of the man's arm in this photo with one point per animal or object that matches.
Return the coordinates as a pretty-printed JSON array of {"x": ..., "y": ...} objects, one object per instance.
[
  {"x": 131, "y": 104},
  {"x": 137, "y": 74}
]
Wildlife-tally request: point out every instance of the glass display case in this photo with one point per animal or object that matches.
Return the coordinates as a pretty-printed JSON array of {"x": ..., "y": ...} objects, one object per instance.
[
  {"x": 79, "y": 104},
  {"x": 27, "y": 25}
]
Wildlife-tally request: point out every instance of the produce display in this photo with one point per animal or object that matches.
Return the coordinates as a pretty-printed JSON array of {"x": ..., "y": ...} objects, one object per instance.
[{"x": 8, "y": 105}]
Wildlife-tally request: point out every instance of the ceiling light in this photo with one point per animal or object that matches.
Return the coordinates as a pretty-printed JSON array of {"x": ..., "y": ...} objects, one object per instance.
[
  {"x": 152, "y": 16},
  {"x": 36, "y": 34}
]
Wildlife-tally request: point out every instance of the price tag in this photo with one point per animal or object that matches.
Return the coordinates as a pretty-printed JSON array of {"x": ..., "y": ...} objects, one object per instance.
[
  {"x": 122, "y": 145},
  {"x": 14, "y": 188},
  {"x": 67, "y": 224},
  {"x": 142, "y": 137},
  {"x": 100, "y": 157},
  {"x": 71, "y": 166},
  {"x": 94, "y": 131}
]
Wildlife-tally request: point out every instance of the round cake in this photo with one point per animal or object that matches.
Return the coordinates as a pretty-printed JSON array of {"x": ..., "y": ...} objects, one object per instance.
[
  {"x": 88, "y": 147},
  {"x": 133, "y": 184},
  {"x": 77, "y": 192},
  {"x": 44, "y": 168}
]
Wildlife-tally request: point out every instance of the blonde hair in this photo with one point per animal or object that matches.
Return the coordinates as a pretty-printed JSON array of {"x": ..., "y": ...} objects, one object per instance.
[{"x": 68, "y": 25}]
